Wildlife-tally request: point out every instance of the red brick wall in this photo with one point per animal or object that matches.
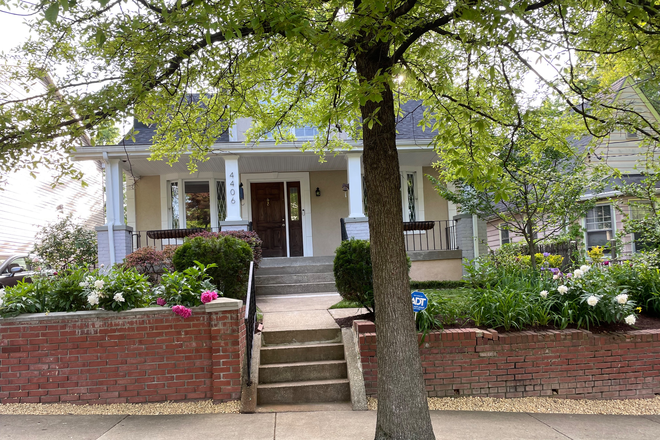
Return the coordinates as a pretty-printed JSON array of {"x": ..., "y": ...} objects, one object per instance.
[
  {"x": 567, "y": 363},
  {"x": 146, "y": 355}
]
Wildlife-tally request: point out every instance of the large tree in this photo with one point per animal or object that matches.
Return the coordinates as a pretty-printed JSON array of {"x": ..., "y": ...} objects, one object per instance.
[{"x": 336, "y": 65}]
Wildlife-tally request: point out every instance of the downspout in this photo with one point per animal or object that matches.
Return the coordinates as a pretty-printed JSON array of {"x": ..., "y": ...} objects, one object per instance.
[
  {"x": 475, "y": 236},
  {"x": 110, "y": 223}
]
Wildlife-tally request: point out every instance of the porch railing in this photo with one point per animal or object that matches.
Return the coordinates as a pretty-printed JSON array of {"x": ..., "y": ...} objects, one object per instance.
[
  {"x": 250, "y": 323},
  {"x": 160, "y": 238},
  {"x": 430, "y": 235}
]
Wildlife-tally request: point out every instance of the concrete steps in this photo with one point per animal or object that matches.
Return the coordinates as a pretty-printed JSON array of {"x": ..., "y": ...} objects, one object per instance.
[
  {"x": 285, "y": 276},
  {"x": 302, "y": 366}
]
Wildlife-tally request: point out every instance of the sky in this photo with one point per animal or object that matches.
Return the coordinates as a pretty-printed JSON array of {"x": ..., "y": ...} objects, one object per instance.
[{"x": 12, "y": 31}]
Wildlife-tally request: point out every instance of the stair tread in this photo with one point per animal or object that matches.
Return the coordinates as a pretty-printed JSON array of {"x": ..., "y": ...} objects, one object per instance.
[
  {"x": 302, "y": 364},
  {"x": 304, "y": 383},
  {"x": 306, "y": 346}
]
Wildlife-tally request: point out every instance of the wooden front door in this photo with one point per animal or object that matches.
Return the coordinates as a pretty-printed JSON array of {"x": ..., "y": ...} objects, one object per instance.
[{"x": 268, "y": 219}]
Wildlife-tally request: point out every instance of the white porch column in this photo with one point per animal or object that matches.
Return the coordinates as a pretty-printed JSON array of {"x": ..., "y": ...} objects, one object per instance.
[
  {"x": 115, "y": 239},
  {"x": 234, "y": 221},
  {"x": 114, "y": 193},
  {"x": 233, "y": 181},
  {"x": 354, "y": 170}
]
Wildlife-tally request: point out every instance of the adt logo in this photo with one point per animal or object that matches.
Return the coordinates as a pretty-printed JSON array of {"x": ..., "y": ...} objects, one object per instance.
[{"x": 419, "y": 301}]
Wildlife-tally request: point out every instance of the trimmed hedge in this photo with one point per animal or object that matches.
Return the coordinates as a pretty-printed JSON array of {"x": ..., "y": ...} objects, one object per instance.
[
  {"x": 448, "y": 284},
  {"x": 231, "y": 255},
  {"x": 250, "y": 237}
]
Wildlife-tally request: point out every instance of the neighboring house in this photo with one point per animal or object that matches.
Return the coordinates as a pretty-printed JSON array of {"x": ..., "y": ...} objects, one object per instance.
[
  {"x": 28, "y": 203},
  {"x": 298, "y": 205},
  {"x": 620, "y": 150}
]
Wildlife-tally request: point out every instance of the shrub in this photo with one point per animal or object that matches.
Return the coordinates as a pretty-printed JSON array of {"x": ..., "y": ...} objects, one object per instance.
[
  {"x": 185, "y": 288},
  {"x": 250, "y": 237},
  {"x": 353, "y": 273},
  {"x": 63, "y": 244},
  {"x": 150, "y": 262},
  {"x": 121, "y": 289},
  {"x": 442, "y": 284},
  {"x": 230, "y": 255}
]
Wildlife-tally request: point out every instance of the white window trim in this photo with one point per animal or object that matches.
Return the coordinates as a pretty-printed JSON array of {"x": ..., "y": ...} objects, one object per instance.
[
  {"x": 501, "y": 238},
  {"x": 305, "y": 199},
  {"x": 165, "y": 201},
  {"x": 612, "y": 213},
  {"x": 419, "y": 196}
]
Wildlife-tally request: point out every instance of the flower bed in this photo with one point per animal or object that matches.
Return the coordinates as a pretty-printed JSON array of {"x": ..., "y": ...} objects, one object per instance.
[
  {"x": 135, "y": 356},
  {"x": 561, "y": 363}
]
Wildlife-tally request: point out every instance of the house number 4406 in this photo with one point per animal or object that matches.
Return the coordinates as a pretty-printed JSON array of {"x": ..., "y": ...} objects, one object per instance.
[{"x": 232, "y": 191}]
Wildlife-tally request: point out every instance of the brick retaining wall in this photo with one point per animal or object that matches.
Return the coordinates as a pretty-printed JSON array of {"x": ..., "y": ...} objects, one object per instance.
[
  {"x": 566, "y": 363},
  {"x": 141, "y": 355}
]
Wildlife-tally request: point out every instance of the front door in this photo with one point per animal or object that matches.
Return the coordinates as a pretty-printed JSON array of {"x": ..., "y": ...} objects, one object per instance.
[{"x": 268, "y": 219}]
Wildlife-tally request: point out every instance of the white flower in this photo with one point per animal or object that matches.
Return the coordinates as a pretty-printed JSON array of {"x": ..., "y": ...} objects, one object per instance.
[
  {"x": 544, "y": 293},
  {"x": 621, "y": 299},
  {"x": 578, "y": 273},
  {"x": 630, "y": 319},
  {"x": 562, "y": 289},
  {"x": 555, "y": 277},
  {"x": 592, "y": 300},
  {"x": 119, "y": 297},
  {"x": 99, "y": 284},
  {"x": 93, "y": 299},
  {"x": 83, "y": 284},
  {"x": 584, "y": 268},
  {"x": 1, "y": 302},
  {"x": 102, "y": 265},
  {"x": 2, "y": 293}
]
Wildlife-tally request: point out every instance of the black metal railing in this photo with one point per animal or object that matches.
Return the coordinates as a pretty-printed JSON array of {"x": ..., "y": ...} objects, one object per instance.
[
  {"x": 160, "y": 238},
  {"x": 250, "y": 323},
  {"x": 431, "y": 235},
  {"x": 427, "y": 235},
  {"x": 344, "y": 234}
]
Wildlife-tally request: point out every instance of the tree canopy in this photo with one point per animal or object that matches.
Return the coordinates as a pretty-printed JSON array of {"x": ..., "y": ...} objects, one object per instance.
[{"x": 338, "y": 65}]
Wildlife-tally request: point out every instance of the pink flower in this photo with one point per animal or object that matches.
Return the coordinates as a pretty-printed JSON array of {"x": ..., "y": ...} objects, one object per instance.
[
  {"x": 209, "y": 296},
  {"x": 182, "y": 311},
  {"x": 607, "y": 263},
  {"x": 161, "y": 302}
]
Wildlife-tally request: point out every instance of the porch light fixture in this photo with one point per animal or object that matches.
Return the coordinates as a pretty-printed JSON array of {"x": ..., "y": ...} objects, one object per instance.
[
  {"x": 318, "y": 192},
  {"x": 241, "y": 195},
  {"x": 344, "y": 187}
]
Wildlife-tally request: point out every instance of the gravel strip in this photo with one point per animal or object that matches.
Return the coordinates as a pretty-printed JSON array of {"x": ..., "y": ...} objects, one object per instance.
[
  {"x": 133, "y": 409},
  {"x": 547, "y": 405}
]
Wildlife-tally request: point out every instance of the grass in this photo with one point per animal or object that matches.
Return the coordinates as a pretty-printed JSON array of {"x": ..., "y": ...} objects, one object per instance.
[
  {"x": 344, "y": 304},
  {"x": 454, "y": 294}
]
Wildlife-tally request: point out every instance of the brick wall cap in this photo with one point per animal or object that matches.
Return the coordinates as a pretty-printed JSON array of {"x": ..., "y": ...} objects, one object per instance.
[
  {"x": 221, "y": 304},
  {"x": 89, "y": 314}
]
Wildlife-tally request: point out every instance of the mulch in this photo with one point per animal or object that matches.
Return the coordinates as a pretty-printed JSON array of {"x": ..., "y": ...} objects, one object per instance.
[{"x": 644, "y": 322}]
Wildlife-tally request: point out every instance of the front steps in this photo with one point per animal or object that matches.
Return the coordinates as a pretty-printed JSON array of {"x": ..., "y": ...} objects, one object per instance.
[
  {"x": 296, "y": 275},
  {"x": 302, "y": 367}
]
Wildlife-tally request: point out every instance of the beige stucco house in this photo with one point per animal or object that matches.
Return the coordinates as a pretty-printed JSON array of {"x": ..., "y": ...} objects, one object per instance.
[{"x": 299, "y": 206}]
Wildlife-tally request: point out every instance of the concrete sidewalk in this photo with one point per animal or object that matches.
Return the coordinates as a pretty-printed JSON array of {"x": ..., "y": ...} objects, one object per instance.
[{"x": 334, "y": 425}]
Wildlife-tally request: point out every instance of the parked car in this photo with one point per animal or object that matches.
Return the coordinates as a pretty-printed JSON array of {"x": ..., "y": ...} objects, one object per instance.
[{"x": 13, "y": 269}]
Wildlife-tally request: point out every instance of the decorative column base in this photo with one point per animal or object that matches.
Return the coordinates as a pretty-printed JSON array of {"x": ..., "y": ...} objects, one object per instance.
[
  {"x": 123, "y": 240},
  {"x": 357, "y": 227},
  {"x": 238, "y": 225}
]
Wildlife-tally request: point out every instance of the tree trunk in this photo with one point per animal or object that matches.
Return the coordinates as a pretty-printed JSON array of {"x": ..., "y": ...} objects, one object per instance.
[
  {"x": 531, "y": 244},
  {"x": 402, "y": 406}
]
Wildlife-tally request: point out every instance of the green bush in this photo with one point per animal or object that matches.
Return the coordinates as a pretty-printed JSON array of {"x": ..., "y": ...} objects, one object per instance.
[
  {"x": 64, "y": 244},
  {"x": 150, "y": 262},
  {"x": 443, "y": 284},
  {"x": 184, "y": 288},
  {"x": 230, "y": 255},
  {"x": 353, "y": 273}
]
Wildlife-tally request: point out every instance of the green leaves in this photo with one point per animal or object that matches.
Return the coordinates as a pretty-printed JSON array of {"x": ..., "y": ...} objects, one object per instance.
[{"x": 52, "y": 12}]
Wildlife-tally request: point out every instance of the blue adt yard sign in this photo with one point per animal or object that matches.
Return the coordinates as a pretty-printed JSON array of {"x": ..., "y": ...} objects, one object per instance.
[{"x": 419, "y": 300}]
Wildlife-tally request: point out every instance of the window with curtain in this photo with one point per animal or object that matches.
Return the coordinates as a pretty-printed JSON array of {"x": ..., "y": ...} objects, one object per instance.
[{"x": 599, "y": 226}]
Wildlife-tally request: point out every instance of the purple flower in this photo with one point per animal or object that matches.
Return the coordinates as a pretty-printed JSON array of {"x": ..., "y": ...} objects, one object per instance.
[
  {"x": 546, "y": 254},
  {"x": 161, "y": 302},
  {"x": 568, "y": 275},
  {"x": 209, "y": 296},
  {"x": 554, "y": 270},
  {"x": 607, "y": 263},
  {"x": 182, "y": 311}
]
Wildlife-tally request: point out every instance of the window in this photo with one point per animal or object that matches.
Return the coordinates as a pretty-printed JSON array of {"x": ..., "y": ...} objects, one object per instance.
[
  {"x": 504, "y": 237},
  {"x": 599, "y": 226},
  {"x": 409, "y": 196},
  {"x": 196, "y": 203},
  {"x": 306, "y": 132},
  {"x": 631, "y": 135},
  {"x": 639, "y": 209}
]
